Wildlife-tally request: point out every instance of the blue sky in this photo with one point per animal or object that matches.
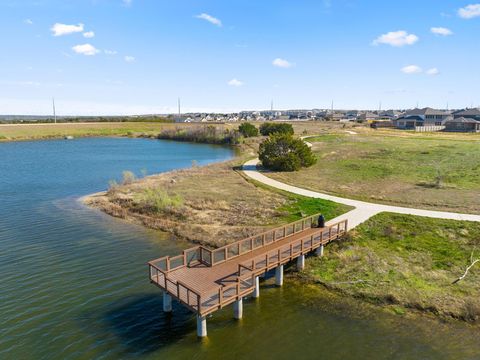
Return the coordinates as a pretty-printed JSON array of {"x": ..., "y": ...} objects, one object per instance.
[{"x": 139, "y": 56}]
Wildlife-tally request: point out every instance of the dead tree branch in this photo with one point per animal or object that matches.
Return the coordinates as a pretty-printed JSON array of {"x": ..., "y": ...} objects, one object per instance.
[{"x": 472, "y": 263}]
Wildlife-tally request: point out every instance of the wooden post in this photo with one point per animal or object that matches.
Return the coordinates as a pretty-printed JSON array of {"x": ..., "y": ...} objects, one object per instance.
[
  {"x": 263, "y": 240},
  {"x": 220, "y": 296},
  {"x": 226, "y": 253}
]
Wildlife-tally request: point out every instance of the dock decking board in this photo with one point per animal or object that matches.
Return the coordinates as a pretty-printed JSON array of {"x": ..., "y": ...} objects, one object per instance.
[{"x": 206, "y": 280}]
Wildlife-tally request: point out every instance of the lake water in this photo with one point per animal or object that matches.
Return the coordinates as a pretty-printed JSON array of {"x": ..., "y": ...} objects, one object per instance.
[{"x": 74, "y": 282}]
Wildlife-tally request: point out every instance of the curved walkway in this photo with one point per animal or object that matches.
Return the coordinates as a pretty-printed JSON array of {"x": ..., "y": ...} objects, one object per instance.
[{"x": 363, "y": 210}]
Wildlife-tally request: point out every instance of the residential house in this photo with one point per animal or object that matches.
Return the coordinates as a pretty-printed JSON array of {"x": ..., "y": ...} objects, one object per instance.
[
  {"x": 422, "y": 117},
  {"x": 473, "y": 113},
  {"x": 462, "y": 124}
]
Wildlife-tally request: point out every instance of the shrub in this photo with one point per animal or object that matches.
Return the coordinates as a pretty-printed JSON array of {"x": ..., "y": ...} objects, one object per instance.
[
  {"x": 128, "y": 177},
  {"x": 209, "y": 134},
  {"x": 158, "y": 200},
  {"x": 282, "y": 152},
  {"x": 248, "y": 130},
  {"x": 267, "y": 129}
]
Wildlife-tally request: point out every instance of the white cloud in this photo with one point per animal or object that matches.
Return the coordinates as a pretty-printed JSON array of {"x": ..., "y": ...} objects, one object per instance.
[
  {"x": 396, "y": 38},
  {"x": 110, "y": 52},
  {"x": 235, "y": 82},
  {"x": 86, "y": 49},
  {"x": 441, "y": 31},
  {"x": 433, "y": 72},
  {"x": 89, "y": 34},
  {"x": 411, "y": 69},
  {"x": 28, "y": 21},
  {"x": 210, "y": 19},
  {"x": 469, "y": 11},
  {"x": 129, "y": 59},
  {"x": 282, "y": 63},
  {"x": 127, "y": 2},
  {"x": 64, "y": 29}
]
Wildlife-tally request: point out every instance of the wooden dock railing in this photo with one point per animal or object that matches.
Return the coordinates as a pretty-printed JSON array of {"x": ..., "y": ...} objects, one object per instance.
[
  {"x": 207, "y": 303},
  {"x": 288, "y": 252},
  {"x": 214, "y": 257}
]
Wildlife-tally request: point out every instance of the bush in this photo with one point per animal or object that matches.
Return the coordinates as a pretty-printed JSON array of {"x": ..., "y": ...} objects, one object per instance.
[
  {"x": 128, "y": 177},
  {"x": 282, "y": 152},
  {"x": 248, "y": 130},
  {"x": 157, "y": 200},
  {"x": 267, "y": 129},
  {"x": 209, "y": 134}
]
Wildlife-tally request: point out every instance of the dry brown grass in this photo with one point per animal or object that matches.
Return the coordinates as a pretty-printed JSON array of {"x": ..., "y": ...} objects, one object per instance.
[{"x": 217, "y": 204}]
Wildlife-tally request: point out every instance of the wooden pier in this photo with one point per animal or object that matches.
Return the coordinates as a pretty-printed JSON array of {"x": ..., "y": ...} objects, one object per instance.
[{"x": 205, "y": 280}]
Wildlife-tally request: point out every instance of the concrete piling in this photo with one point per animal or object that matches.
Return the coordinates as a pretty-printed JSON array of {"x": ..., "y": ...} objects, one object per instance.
[
  {"x": 256, "y": 292},
  {"x": 238, "y": 309},
  {"x": 167, "y": 302},
  {"x": 301, "y": 262},
  {"x": 279, "y": 275},
  {"x": 201, "y": 326},
  {"x": 319, "y": 251}
]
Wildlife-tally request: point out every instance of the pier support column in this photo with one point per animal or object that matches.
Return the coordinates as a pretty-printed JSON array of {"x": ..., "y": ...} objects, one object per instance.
[
  {"x": 319, "y": 251},
  {"x": 201, "y": 326},
  {"x": 238, "y": 309},
  {"x": 279, "y": 275},
  {"x": 167, "y": 302},
  {"x": 301, "y": 262},
  {"x": 256, "y": 292}
]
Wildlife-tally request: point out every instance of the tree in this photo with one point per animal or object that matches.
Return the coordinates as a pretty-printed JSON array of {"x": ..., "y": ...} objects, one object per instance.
[
  {"x": 283, "y": 152},
  {"x": 248, "y": 130},
  {"x": 269, "y": 128}
]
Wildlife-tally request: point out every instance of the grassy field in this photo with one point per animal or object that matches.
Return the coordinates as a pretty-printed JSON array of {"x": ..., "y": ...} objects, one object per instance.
[
  {"x": 437, "y": 171},
  {"x": 47, "y": 131},
  {"x": 212, "y": 205},
  {"x": 406, "y": 262}
]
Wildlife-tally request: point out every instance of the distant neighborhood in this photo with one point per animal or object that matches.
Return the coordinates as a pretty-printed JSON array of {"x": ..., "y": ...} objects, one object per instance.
[{"x": 425, "y": 119}]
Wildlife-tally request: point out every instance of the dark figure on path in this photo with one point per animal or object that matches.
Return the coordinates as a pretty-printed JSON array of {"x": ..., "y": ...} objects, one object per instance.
[{"x": 321, "y": 221}]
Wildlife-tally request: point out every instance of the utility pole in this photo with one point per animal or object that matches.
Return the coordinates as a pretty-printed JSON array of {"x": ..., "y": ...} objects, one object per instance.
[
  {"x": 54, "y": 112},
  {"x": 332, "y": 106},
  {"x": 179, "y": 109}
]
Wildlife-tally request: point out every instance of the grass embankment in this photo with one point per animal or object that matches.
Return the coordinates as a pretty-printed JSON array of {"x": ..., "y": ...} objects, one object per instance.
[
  {"x": 12, "y": 132},
  {"x": 437, "y": 171},
  {"x": 51, "y": 131},
  {"x": 406, "y": 262},
  {"x": 211, "y": 205}
]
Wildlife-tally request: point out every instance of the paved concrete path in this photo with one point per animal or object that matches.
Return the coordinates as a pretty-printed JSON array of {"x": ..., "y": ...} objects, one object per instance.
[{"x": 363, "y": 210}]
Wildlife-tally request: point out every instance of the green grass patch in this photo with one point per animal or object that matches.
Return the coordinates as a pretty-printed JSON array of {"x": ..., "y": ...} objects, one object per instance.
[
  {"x": 431, "y": 172},
  {"x": 301, "y": 206},
  {"x": 409, "y": 261}
]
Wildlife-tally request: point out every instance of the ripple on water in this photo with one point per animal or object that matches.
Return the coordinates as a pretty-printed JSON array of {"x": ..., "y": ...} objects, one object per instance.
[{"x": 74, "y": 281}]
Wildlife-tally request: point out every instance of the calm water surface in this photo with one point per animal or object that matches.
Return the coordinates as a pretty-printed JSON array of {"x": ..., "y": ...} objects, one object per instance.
[{"x": 74, "y": 282}]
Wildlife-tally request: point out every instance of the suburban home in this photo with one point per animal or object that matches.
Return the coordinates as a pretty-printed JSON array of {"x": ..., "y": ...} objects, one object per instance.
[
  {"x": 366, "y": 116},
  {"x": 422, "y": 117},
  {"x": 462, "y": 124},
  {"x": 473, "y": 113},
  {"x": 390, "y": 114}
]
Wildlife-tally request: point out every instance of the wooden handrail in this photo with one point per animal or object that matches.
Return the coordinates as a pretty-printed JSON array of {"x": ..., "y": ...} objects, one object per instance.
[{"x": 272, "y": 258}]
